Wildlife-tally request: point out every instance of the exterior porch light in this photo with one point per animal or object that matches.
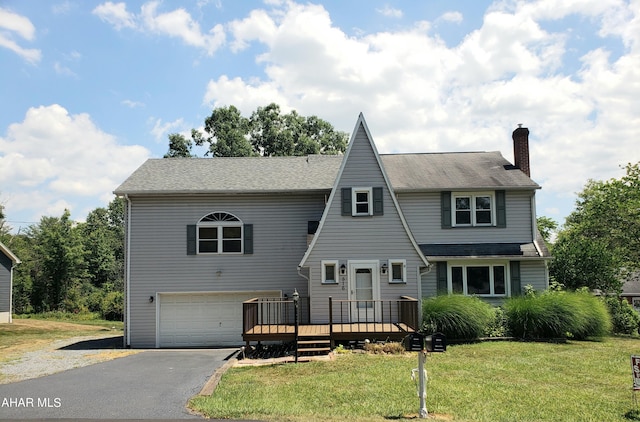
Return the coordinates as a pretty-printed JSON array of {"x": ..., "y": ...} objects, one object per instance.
[
  {"x": 343, "y": 269},
  {"x": 384, "y": 268},
  {"x": 150, "y": 299}
]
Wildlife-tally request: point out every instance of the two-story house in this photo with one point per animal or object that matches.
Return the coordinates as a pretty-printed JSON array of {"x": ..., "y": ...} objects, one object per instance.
[{"x": 216, "y": 248}]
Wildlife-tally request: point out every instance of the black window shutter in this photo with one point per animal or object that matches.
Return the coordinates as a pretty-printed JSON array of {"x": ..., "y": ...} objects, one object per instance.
[
  {"x": 346, "y": 201},
  {"x": 248, "y": 239},
  {"x": 378, "y": 205},
  {"x": 516, "y": 283},
  {"x": 501, "y": 209},
  {"x": 191, "y": 239},
  {"x": 445, "y": 205},
  {"x": 441, "y": 275}
]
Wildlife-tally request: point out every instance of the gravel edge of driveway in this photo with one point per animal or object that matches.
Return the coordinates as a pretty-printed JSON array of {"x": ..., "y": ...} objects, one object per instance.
[{"x": 53, "y": 358}]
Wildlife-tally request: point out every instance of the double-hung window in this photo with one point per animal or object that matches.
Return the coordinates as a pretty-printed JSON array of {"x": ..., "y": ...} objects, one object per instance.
[
  {"x": 362, "y": 202},
  {"x": 475, "y": 209},
  {"x": 220, "y": 233},
  {"x": 478, "y": 279}
]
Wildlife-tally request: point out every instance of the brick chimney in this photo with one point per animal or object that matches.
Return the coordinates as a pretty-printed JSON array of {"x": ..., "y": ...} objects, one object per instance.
[{"x": 521, "y": 149}]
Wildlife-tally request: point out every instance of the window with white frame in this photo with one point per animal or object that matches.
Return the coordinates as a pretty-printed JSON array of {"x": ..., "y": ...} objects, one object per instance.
[
  {"x": 219, "y": 233},
  {"x": 473, "y": 209},
  {"x": 397, "y": 271},
  {"x": 329, "y": 272},
  {"x": 361, "y": 202},
  {"x": 478, "y": 279}
]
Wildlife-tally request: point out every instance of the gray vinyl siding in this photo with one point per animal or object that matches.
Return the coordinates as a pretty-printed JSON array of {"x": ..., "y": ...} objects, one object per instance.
[
  {"x": 422, "y": 213},
  {"x": 345, "y": 238},
  {"x": 5, "y": 283},
  {"x": 534, "y": 273},
  {"x": 159, "y": 260}
]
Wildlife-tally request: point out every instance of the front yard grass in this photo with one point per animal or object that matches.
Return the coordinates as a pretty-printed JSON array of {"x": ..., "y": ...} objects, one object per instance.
[{"x": 493, "y": 381}]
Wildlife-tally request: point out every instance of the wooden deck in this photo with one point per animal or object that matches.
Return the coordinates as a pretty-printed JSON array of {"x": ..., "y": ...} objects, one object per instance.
[
  {"x": 355, "y": 331},
  {"x": 269, "y": 319}
]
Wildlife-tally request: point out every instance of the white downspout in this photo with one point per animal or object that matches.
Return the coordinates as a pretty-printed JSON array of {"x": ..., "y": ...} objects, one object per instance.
[{"x": 128, "y": 275}]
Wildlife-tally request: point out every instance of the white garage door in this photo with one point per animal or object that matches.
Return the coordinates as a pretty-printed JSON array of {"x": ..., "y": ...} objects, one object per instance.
[{"x": 202, "y": 319}]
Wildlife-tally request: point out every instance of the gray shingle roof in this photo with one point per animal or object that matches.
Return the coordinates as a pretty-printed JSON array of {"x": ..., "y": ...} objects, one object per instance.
[
  {"x": 407, "y": 172},
  {"x": 232, "y": 175},
  {"x": 453, "y": 171}
]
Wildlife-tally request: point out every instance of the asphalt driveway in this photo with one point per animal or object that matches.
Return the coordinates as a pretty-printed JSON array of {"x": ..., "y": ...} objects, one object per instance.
[{"x": 152, "y": 384}]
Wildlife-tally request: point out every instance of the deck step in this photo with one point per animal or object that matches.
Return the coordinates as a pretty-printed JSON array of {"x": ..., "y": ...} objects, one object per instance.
[
  {"x": 314, "y": 350},
  {"x": 327, "y": 341},
  {"x": 314, "y": 345}
]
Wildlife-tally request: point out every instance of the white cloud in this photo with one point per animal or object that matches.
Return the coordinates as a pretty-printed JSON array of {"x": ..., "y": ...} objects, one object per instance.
[
  {"x": 12, "y": 23},
  {"x": 455, "y": 17},
  {"x": 115, "y": 14},
  {"x": 177, "y": 23},
  {"x": 418, "y": 94},
  {"x": 63, "y": 70},
  {"x": 161, "y": 130},
  {"x": 132, "y": 104},
  {"x": 52, "y": 155},
  {"x": 390, "y": 11}
]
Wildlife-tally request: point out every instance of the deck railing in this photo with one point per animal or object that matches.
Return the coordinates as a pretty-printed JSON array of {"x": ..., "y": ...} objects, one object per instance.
[
  {"x": 374, "y": 315},
  {"x": 265, "y": 315},
  {"x": 276, "y": 316}
]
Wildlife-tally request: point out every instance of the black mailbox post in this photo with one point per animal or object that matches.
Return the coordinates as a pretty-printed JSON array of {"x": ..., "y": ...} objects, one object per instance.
[
  {"x": 414, "y": 342},
  {"x": 436, "y": 342}
]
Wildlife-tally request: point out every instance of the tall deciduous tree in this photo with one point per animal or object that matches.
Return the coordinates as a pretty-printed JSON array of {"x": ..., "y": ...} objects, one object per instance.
[
  {"x": 609, "y": 211},
  {"x": 179, "y": 146},
  {"x": 59, "y": 261},
  {"x": 600, "y": 242},
  {"x": 267, "y": 132}
]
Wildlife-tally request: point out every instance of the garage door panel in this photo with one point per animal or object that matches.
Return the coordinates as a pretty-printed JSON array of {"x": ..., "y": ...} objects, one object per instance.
[{"x": 203, "y": 319}]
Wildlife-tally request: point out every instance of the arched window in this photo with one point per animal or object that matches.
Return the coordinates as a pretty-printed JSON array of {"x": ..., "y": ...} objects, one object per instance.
[{"x": 220, "y": 232}]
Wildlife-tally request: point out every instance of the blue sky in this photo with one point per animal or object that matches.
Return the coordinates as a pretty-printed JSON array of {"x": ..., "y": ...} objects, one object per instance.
[{"x": 92, "y": 89}]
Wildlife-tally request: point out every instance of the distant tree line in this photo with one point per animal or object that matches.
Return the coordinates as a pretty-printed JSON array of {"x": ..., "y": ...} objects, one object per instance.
[{"x": 68, "y": 266}]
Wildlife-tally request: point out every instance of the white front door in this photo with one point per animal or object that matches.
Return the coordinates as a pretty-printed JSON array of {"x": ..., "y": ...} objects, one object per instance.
[{"x": 364, "y": 290}]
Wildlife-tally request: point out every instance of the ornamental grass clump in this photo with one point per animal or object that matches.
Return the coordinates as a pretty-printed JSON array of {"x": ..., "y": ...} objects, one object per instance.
[
  {"x": 458, "y": 317},
  {"x": 557, "y": 314}
]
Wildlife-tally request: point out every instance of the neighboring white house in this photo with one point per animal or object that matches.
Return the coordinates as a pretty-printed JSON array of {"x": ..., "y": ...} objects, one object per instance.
[
  {"x": 205, "y": 234},
  {"x": 7, "y": 261}
]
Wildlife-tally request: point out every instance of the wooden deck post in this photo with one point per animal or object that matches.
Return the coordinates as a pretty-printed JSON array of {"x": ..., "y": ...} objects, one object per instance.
[{"x": 333, "y": 345}]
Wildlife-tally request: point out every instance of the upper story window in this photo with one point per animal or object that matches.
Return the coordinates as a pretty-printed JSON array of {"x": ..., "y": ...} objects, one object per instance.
[
  {"x": 475, "y": 209},
  {"x": 362, "y": 202},
  {"x": 220, "y": 232}
]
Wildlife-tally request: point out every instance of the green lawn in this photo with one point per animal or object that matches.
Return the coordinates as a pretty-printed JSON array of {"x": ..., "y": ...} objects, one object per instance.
[{"x": 494, "y": 381}]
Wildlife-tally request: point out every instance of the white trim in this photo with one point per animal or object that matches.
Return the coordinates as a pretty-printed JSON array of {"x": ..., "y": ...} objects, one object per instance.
[
  {"x": 220, "y": 239},
  {"x": 474, "y": 263},
  {"x": 127, "y": 325},
  {"x": 323, "y": 270},
  {"x": 393, "y": 262},
  {"x": 374, "y": 266},
  {"x": 9, "y": 254},
  {"x": 354, "y": 202},
  {"x": 472, "y": 209}
]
